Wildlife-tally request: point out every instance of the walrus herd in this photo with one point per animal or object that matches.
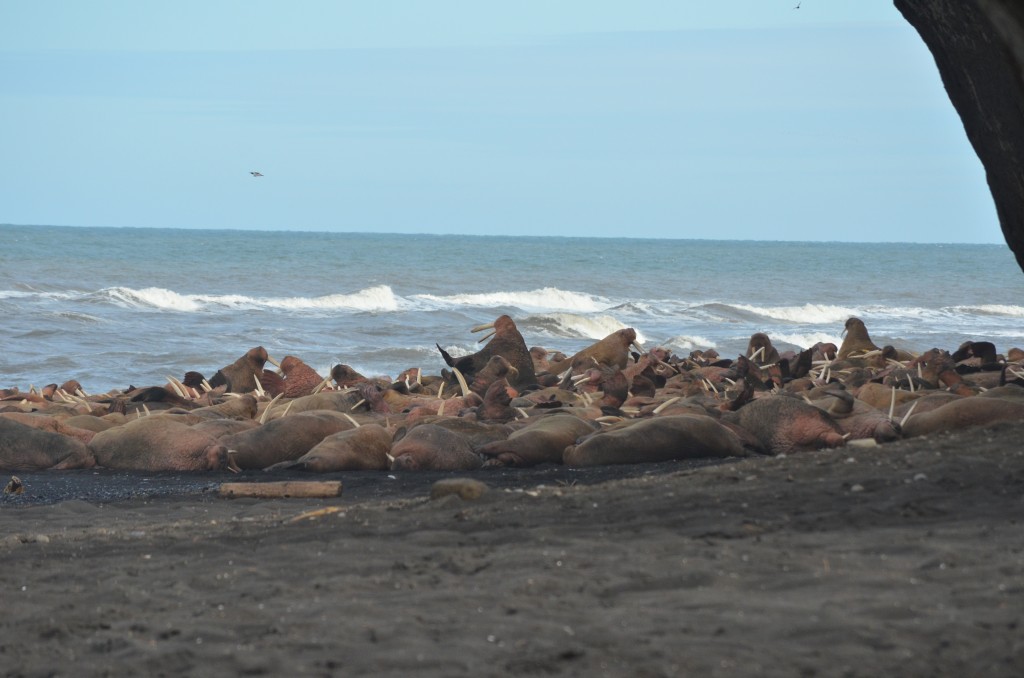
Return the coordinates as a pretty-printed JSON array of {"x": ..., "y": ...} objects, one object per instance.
[{"x": 507, "y": 405}]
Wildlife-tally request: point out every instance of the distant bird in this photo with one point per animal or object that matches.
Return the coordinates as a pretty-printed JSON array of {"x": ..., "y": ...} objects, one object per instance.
[
  {"x": 256, "y": 174},
  {"x": 798, "y": 5}
]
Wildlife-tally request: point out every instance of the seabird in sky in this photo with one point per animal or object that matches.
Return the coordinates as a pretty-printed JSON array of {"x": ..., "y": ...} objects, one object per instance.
[{"x": 256, "y": 174}]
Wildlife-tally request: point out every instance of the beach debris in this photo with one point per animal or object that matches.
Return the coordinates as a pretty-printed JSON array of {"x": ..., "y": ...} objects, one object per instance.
[
  {"x": 15, "y": 486},
  {"x": 288, "y": 489},
  {"x": 466, "y": 488},
  {"x": 314, "y": 513}
]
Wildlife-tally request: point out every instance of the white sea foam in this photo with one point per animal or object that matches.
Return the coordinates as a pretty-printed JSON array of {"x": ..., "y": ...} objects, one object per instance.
[
  {"x": 805, "y": 341},
  {"x": 580, "y": 326},
  {"x": 992, "y": 309},
  {"x": 379, "y": 298},
  {"x": 684, "y": 342},
  {"x": 539, "y": 300},
  {"x": 811, "y": 314}
]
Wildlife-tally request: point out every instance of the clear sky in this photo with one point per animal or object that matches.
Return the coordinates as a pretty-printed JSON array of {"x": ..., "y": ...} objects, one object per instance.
[{"x": 682, "y": 119}]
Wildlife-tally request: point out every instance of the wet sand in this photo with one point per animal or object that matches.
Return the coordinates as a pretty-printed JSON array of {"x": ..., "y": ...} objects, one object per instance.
[{"x": 905, "y": 559}]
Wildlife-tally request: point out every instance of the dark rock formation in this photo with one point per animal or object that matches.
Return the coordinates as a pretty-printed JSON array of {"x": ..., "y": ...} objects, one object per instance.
[{"x": 978, "y": 47}]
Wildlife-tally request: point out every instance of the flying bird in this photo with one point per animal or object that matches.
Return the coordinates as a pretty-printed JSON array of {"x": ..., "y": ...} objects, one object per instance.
[
  {"x": 798, "y": 5},
  {"x": 256, "y": 174}
]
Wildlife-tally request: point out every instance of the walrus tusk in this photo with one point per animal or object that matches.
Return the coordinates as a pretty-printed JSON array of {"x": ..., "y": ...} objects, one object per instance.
[
  {"x": 440, "y": 410},
  {"x": 892, "y": 403},
  {"x": 522, "y": 412},
  {"x": 659, "y": 408},
  {"x": 206, "y": 386},
  {"x": 148, "y": 413},
  {"x": 919, "y": 375},
  {"x": 361, "y": 402},
  {"x": 462, "y": 382},
  {"x": 419, "y": 376},
  {"x": 232, "y": 464},
  {"x": 286, "y": 408},
  {"x": 354, "y": 422},
  {"x": 909, "y": 412},
  {"x": 263, "y": 419},
  {"x": 322, "y": 385},
  {"x": 273, "y": 362},
  {"x": 481, "y": 328},
  {"x": 440, "y": 390},
  {"x": 259, "y": 387},
  {"x": 638, "y": 347},
  {"x": 81, "y": 393},
  {"x": 910, "y": 381},
  {"x": 759, "y": 351},
  {"x": 871, "y": 354},
  {"x": 174, "y": 386}
]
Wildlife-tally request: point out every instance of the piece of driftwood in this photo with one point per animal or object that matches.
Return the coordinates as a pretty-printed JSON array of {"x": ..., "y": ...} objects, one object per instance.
[{"x": 283, "y": 490}]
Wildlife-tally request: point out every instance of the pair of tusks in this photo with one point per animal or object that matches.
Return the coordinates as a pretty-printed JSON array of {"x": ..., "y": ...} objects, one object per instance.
[{"x": 481, "y": 328}]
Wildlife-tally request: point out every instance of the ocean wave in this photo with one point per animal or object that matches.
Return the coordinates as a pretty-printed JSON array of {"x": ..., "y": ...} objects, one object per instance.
[
  {"x": 574, "y": 326},
  {"x": 810, "y": 314},
  {"x": 1001, "y": 310},
  {"x": 539, "y": 300},
  {"x": 805, "y": 340},
  {"x": 684, "y": 342},
  {"x": 379, "y": 298}
]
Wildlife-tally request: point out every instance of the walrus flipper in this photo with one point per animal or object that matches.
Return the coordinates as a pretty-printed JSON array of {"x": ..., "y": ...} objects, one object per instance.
[{"x": 447, "y": 358}]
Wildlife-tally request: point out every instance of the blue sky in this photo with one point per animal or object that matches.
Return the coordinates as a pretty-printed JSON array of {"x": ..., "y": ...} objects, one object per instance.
[{"x": 740, "y": 120}]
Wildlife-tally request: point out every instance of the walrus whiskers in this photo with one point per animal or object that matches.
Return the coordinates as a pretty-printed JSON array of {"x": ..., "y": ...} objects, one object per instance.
[{"x": 462, "y": 382}]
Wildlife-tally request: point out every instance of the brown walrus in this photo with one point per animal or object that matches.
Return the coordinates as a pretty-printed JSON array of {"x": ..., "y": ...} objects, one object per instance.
[
  {"x": 506, "y": 342},
  {"x": 26, "y": 448},
  {"x": 542, "y": 441},
  {"x": 299, "y": 378},
  {"x": 612, "y": 351},
  {"x": 679, "y": 436},
  {"x": 784, "y": 424},
  {"x": 239, "y": 375},
  {"x": 158, "y": 444},
  {"x": 857, "y": 340},
  {"x": 359, "y": 449},
  {"x": 431, "y": 448},
  {"x": 760, "y": 350}
]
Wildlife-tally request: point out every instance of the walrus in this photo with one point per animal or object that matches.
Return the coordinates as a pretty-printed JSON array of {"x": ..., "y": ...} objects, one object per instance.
[
  {"x": 159, "y": 444},
  {"x": 784, "y": 424},
  {"x": 365, "y": 448},
  {"x": 431, "y": 448},
  {"x": 963, "y": 413},
  {"x": 612, "y": 351},
  {"x": 299, "y": 378},
  {"x": 26, "y": 448},
  {"x": 857, "y": 340},
  {"x": 680, "y": 436},
  {"x": 238, "y": 377},
  {"x": 506, "y": 342},
  {"x": 541, "y": 442},
  {"x": 760, "y": 350},
  {"x": 46, "y": 422},
  {"x": 284, "y": 439}
]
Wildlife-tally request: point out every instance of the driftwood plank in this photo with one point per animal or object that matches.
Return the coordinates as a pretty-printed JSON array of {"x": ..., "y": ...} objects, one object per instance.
[{"x": 282, "y": 490}]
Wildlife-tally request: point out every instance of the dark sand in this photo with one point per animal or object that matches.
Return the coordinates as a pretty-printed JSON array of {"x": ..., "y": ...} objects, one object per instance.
[{"x": 901, "y": 560}]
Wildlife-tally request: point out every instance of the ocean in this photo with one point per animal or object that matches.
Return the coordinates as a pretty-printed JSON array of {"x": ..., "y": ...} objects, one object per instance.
[{"x": 117, "y": 307}]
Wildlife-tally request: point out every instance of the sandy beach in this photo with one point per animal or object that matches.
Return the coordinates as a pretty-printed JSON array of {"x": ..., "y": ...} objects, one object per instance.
[{"x": 904, "y": 559}]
